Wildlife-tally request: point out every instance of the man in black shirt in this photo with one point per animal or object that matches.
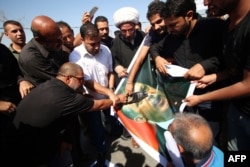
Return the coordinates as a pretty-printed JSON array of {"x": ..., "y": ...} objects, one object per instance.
[
  {"x": 193, "y": 43},
  {"x": 236, "y": 56},
  {"x": 102, "y": 25},
  {"x": 44, "y": 113},
  {"x": 42, "y": 56},
  {"x": 9, "y": 98}
]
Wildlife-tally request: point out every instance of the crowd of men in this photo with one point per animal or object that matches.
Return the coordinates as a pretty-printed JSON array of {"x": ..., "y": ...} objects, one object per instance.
[{"x": 56, "y": 90}]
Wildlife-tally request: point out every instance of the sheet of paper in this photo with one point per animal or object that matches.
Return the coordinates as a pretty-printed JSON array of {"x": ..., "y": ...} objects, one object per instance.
[
  {"x": 189, "y": 93},
  {"x": 176, "y": 71}
]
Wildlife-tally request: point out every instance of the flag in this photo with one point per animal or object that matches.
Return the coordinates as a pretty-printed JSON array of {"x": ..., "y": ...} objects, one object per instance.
[{"x": 148, "y": 119}]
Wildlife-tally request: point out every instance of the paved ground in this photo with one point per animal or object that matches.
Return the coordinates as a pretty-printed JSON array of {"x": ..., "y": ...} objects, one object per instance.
[{"x": 122, "y": 154}]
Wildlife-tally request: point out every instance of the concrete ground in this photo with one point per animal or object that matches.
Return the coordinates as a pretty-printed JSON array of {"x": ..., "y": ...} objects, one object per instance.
[{"x": 122, "y": 154}]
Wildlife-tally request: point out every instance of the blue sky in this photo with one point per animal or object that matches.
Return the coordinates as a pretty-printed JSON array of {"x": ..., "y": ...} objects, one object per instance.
[{"x": 68, "y": 11}]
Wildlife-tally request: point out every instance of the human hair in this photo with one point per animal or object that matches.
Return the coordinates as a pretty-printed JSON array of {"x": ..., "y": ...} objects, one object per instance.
[
  {"x": 179, "y": 8},
  {"x": 64, "y": 24},
  {"x": 182, "y": 129},
  {"x": 89, "y": 29},
  {"x": 69, "y": 69},
  {"x": 100, "y": 19},
  {"x": 155, "y": 7},
  {"x": 14, "y": 22},
  {"x": 139, "y": 24}
]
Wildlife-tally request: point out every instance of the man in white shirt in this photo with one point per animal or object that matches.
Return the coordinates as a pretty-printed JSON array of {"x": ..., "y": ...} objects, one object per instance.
[{"x": 96, "y": 61}]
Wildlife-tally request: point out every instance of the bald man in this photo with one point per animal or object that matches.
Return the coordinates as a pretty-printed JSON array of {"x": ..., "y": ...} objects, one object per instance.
[
  {"x": 55, "y": 104},
  {"x": 42, "y": 56},
  {"x": 194, "y": 139}
]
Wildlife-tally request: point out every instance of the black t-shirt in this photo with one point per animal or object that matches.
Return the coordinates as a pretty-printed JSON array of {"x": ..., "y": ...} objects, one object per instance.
[
  {"x": 237, "y": 56},
  {"x": 43, "y": 114}
]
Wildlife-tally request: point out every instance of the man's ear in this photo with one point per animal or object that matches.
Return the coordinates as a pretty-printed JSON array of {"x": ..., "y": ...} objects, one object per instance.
[
  {"x": 181, "y": 149},
  {"x": 190, "y": 15},
  {"x": 6, "y": 34},
  {"x": 39, "y": 40},
  {"x": 82, "y": 39}
]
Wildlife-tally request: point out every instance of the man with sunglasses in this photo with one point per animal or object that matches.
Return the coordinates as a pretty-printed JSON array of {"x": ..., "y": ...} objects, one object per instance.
[{"x": 47, "y": 111}]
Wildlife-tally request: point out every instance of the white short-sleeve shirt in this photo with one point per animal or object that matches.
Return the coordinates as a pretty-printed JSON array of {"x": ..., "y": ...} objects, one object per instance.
[{"x": 95, "y": 67}]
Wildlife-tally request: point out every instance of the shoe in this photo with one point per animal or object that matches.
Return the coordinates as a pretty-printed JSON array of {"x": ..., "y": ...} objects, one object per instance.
[
  {"x": 125, "y": 134},
  {"x": 134, "y": 143},
  {"x": 123, "y": 137},
  {"x": 136, "y": 97}
]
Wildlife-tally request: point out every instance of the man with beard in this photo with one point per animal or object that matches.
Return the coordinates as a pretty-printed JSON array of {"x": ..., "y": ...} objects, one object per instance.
[
  {"x": 236, "y": 58},
  {"x": 192, "y": 43},
  {"x": 67, "y": 36},
  {"x": 42, "y": 56},
  {"x": 125, "y": 46},
  {"x": 44, "y": 113},
  {"x": 157, "y": 32},
  {"x": 102, "y": 25},
  {"x": 213, "y": 11}
]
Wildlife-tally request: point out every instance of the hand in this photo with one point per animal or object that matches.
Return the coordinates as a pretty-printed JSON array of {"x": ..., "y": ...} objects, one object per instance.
[
  {"x": 123, "y": 74},
  {"x": 195, "y": 72},
  {"x": 121, "y": 71},
  {"x": 115, "y": 99},
  {"x": 192, "y": 100},
  {"x": 6, "y": 106},
  {"x": 160, "y": 64},
  {"x": 25, "y": 88},
  {"x": 86, "y": 18},
  {"x": 206, "y": 81},
  {"x": 122, "y": 100},
  {"x": 129, "y": 89}
]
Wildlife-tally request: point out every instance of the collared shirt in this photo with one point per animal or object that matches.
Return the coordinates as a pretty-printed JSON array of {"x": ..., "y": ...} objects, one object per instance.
[
  {"x": 215, "y": 159},
  {"x": 38, "y": 64},
  {"x": 95, "y": 67},
  {"x": 14, "y": 52},
  {"x": 43, "y": 114}
]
